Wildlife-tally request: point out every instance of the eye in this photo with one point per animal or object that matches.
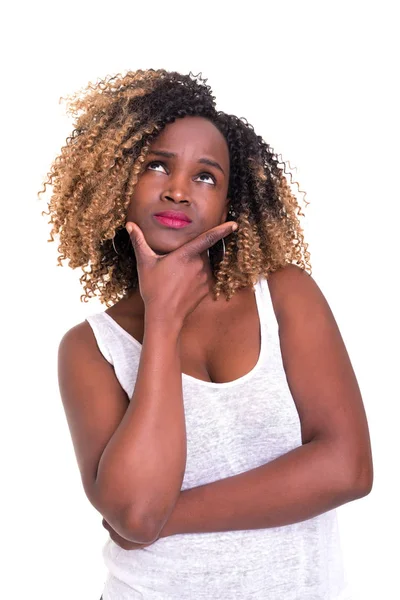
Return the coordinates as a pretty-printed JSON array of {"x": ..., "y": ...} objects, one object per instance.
[
  {"x": 155, "y": 162},
  {"x": 207, "y": 175},
  {"x": 158, "y": 163}
]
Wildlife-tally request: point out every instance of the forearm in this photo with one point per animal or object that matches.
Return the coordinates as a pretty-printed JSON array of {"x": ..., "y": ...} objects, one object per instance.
[
  {"x": 144, "y": 462},
  {"x": 299, "y": 485}
]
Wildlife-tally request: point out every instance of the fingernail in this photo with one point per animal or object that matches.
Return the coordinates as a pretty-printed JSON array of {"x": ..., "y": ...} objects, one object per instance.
[
  {"x": 129, "y": 229},
  {"x": 234, "y": 227}
]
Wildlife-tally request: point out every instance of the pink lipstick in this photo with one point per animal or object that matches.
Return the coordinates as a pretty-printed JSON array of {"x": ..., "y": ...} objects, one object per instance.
[{"x": 172, "y": 218}]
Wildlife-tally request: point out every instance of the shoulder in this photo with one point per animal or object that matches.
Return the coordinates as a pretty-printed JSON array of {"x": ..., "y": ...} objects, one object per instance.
[
  {"x": 78, "y": 342},
  {"x": 303, "y": 313},
  {"x": 289, "y": 272},
  {"x": 290, "y": 285},
  {"x": 77, "y": 333}
]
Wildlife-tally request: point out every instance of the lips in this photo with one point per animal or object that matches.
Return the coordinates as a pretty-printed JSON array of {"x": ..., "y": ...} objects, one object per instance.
[{"x": 174, "y": 214}]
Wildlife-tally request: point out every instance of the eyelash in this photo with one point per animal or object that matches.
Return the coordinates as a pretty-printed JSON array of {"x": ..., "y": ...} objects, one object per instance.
[{"x": 156, "y": 162}]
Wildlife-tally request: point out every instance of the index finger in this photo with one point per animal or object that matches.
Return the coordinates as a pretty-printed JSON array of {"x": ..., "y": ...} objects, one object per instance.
[{"x": 207, "y": 239}]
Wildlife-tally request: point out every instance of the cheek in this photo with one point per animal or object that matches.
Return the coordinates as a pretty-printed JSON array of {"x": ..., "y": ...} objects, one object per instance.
[
  {"x": 214, "y": 218},
  {"x": 137, "y": 199},
  {"x": 132, "y": 205},
  {"x": 147, "y": 189}
]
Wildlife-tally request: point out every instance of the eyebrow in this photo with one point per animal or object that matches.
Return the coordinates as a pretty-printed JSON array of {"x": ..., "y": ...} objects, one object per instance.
[{"x": 205, "y": 161}]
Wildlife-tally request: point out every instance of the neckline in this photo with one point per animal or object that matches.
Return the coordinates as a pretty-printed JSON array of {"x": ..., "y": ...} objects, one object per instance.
[{"x": 212, "y": 384}]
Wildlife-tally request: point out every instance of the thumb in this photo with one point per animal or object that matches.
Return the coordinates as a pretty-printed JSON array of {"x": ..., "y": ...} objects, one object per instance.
[{"x": 142, "y": 250}]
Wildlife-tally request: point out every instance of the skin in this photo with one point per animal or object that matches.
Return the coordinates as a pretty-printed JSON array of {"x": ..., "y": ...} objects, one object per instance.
[
  {"x": 219, "y": 341},
  {"x": 199, "y": 190},
  {"x": 328, "y": 433},
  {"x": 334, "y": 464},
  {"x": 181, "y": 183}
]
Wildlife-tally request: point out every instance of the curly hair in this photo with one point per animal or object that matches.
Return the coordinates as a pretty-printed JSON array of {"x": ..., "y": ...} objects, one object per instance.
[{"x": 95, "y": 174}]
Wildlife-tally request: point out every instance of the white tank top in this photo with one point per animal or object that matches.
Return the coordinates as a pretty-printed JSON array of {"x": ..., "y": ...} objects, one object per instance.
[{"x": 231, "y": 428}]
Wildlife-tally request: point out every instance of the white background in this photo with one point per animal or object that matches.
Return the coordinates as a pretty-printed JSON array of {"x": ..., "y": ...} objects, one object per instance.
[{"x": 318, "y": 81}]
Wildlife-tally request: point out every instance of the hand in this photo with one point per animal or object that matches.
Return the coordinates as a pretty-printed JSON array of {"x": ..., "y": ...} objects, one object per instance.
[
  {"x": 122, "y": 542},
  {"x": 174, "y": 284}
]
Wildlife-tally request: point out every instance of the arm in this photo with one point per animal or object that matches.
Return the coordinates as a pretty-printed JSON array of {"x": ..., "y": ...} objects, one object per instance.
[
  {"x": 131, "y": 454},
  {"x": 299, "y": 485},
  {"x": 144, "y": 462},
  {"x": 334, "y": 464}
]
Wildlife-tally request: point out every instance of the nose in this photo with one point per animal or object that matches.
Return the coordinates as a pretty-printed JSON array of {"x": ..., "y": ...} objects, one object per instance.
[{"x": 177, "y": 190}]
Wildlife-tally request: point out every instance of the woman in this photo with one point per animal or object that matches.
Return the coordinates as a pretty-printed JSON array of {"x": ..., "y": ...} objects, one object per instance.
[{"x": 215, "y": 415}]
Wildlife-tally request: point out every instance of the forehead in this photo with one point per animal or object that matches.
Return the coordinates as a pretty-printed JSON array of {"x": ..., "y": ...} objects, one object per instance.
[{"x": 193, "y": 135}]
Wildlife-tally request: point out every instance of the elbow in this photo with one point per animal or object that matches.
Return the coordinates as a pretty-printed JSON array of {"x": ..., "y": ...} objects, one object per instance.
[
  {"x": 123, "y": 519},
  {"x": 364, "y": 483},
  {"x": 140, "y": 530},
  {"x": 360, "y": 479},
  {"x": 352, "y": 468},
  {"x": 145, "y": 526}
]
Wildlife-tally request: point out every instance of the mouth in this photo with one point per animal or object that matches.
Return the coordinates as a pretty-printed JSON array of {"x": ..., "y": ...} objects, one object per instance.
[{"x": 173, "y": 219}]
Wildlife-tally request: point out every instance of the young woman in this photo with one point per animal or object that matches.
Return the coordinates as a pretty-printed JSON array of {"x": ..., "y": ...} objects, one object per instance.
[{"x": 215, "y": 415}]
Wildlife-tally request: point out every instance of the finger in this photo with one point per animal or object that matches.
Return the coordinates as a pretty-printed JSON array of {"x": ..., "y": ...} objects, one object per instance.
[
  {"x": 142, "y": 250},
  {"x": 207, "y": 239}
]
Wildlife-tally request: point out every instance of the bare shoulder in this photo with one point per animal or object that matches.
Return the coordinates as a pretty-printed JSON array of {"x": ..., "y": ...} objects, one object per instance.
[
  {"x": 288, "y": 271},
  {"x": 82, "y": 332},
  {"x": 287, "y": 284},
  {"x": 79, "y": 344},
  {"x": 302, "y": 310}
]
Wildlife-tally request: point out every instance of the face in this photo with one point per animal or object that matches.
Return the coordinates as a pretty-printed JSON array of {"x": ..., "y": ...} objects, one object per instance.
[{"x": 186, "y": 170}]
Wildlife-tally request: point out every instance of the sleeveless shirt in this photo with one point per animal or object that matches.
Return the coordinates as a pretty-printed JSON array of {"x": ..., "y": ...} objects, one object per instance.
[{"x": 231, "y": 428}]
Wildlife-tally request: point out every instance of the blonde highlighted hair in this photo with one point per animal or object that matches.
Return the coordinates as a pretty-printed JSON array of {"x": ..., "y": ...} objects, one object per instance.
[{"x": 94, "y": 177}]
